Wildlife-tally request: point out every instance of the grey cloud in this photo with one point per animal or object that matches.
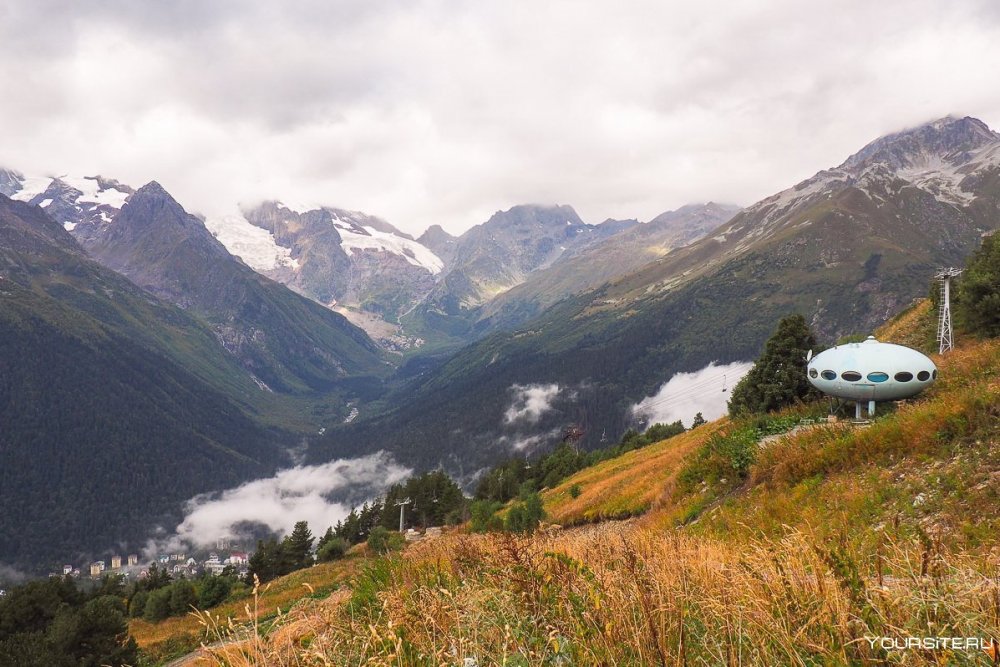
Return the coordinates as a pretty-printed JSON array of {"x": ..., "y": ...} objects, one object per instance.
[{"x": 443, "y": 112}]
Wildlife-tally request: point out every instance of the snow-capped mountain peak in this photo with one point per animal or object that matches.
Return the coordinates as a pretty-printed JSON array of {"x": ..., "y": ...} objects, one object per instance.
[
  {"x": 71, "y": 200},
  {"x": 358, "y": 237}
]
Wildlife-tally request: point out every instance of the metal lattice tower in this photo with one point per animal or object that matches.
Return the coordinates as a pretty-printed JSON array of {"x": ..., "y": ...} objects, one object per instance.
[{"x": 944, "y": 331}]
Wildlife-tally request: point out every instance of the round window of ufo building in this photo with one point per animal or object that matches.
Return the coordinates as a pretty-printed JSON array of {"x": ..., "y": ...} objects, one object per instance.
[
  {"x": 850, "y": 376},
  {"x": 829, "y": 375},
  {"x": 813, "y": 372},
  {"x": 902, "y": 376},
  {"x": 923, "y": 376},
  {"x": 878, "y": 376},
  {"x": 934, "y": 375}
]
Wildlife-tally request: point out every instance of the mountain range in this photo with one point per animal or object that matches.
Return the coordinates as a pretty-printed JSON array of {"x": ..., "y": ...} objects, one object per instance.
[
  {"x": 207, "y": 348},
  {"x": 848, "y": 248}
]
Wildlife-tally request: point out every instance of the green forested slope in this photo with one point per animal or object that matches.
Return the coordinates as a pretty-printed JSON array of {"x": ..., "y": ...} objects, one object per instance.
[{"x": 114, "y": 405}]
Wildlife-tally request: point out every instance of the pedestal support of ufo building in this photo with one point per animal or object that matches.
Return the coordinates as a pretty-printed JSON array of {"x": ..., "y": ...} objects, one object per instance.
[{"x": 870, "y": 372}]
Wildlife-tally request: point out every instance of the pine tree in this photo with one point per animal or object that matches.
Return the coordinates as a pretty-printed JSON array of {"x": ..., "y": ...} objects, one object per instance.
[
  {"x": 697, "y": 421},
  {"x": 326, "y": 537},
  {"x": 977, "y": 302},
  {"x": 182, "y": 597},
  {"x": 296, "y": 549},
  {"x": 264, "y": 563},
  {"x": 778, "y": 378}
]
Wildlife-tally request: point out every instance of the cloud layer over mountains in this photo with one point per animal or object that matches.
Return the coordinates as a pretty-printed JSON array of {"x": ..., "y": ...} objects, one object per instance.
[{"x": 443, "y": 112}]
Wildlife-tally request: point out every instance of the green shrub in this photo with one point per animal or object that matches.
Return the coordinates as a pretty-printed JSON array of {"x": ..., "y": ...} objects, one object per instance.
[
  {"x": 157, "y": 605},
  {"x": 333, "y": 549},
  {"x": 213, "y": 591},
  {"x": 575, "y": 491},
  {"x": 484, "y": 516},
  {"x": 182, "y": 597},
  {"x": 137, "y": 605},
  {"x": 725, "y": 456},
  {"x": 382, "y": 540},
  {"x": 525, "y": 515}
]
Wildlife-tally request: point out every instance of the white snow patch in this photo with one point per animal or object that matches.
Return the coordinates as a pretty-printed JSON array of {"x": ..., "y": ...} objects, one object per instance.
[
  {"x": 31, "y": 187},
  {"x": 299, "y": 207},
  {"x": 253, "y": 245},
  {"x": 414, "y": 253},
  {"x": 70, "y": 226},
  {"x": 352, "y": 415},
  {"x": 92, "y": 192},
  {"x": 686, "y": 394},
  {"x": 938, "y": 177}
]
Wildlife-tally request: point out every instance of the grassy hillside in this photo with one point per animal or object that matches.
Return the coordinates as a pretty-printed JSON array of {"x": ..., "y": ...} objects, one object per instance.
[
  {"x": 180, "y": 635},
  {"x": 941, "y": 447},
  {"x": 834, "y": 536}
]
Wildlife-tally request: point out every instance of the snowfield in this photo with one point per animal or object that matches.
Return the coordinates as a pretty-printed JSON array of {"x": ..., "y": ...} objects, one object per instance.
[{"x": 253, "y": 245}]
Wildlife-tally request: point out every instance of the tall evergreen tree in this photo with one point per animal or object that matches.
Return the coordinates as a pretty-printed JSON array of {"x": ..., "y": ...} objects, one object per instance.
[
  {"x": 264, "y": 563},
  {"x": 296, "y": 549},
  {"x": 778, "y": 378},
  {"x": 977, "y": 302}
]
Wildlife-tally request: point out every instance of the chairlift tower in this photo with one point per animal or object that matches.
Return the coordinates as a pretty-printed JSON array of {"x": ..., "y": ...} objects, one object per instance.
[
  {"x": 945, "y": 335},
  {"x": 402, "y": 508}
]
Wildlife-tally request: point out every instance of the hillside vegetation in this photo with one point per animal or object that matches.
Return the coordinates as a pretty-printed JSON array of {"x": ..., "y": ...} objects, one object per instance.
[{"x": 823, "y": 540}]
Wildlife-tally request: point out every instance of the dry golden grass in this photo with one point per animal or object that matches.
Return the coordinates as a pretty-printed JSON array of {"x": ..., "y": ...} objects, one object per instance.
[
  {"x": 616, "y": 594},
  {"x": 627, "y": 485},
  {"x": 166, "y": 637},
  {"x": 914, "y": 327}
]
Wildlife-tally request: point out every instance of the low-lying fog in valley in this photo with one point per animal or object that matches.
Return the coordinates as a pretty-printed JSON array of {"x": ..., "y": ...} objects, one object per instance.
[
  {"x": 322, "y": 495},
  {"x": 686, "y": 394}
]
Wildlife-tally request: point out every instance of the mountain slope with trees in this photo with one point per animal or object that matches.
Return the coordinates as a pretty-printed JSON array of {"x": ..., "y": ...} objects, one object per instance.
[
  {"x": 116, "y": 406},
  {"x": 290, "y": 344}
]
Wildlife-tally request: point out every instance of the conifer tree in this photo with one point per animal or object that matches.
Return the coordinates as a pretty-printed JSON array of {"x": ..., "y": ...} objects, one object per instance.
[
  {"x": 778, "y": 378},
  {"x": 977, "y": 302},
  {"x": 296, "y": 549}
]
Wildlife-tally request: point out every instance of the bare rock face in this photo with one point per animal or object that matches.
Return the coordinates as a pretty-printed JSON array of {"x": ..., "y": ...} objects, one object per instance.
[
  {"x": 349, "y": 259},
  {"x": 440, "y": 242}
]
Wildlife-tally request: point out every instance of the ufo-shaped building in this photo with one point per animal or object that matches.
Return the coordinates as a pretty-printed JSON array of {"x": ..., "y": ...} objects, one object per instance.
[{"x": 871, "y": 371}]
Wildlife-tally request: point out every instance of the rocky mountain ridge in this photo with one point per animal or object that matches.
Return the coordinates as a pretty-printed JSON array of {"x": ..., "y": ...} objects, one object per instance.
[
  {"x": 402, "y": 291},
  {"x": 847, "y": 248}
]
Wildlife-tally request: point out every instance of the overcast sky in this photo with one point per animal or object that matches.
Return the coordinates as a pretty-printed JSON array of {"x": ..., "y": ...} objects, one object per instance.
[{"x": 444, "y": 112}]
